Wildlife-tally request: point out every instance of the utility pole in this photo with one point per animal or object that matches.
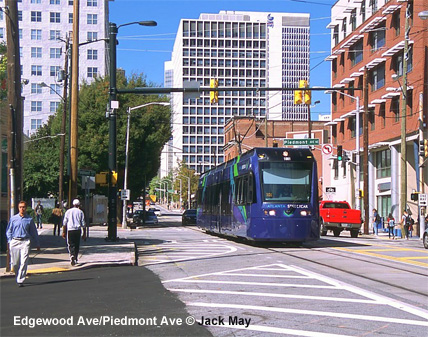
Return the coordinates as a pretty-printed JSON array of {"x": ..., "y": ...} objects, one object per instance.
[
  {"x": 403, "y": 148},
  {"x": 63, "y": 126},
  {"x": 74, "y": 104},
  {"x": 112, "y": 189},
  {"x": 366, "y": 151},
  {"x": 15, "y": 121}
]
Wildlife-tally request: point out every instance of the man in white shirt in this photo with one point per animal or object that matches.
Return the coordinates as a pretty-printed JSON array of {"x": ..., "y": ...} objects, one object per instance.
[{"x": 74, "y": 222}]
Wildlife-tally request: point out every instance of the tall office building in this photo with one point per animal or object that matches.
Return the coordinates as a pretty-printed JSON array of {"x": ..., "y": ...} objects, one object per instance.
[
  {"x": 240, "y": 50},
  {"x": 43, "y": 27}
]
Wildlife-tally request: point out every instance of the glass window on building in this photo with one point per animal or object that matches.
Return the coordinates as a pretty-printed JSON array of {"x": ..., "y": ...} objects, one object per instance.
[
  {"x": 36, "y": 34},
  {"x": 383, "y": 164},
  {"x": 92, "y": 3},
  {"x": 377, "y": 38},
  {"x": 384, "y": 206},
  {"x": 53, "y": 106},
  {"x": 36, "y": 106},
  {"x": 92, "y": 72},
  {"x": 395, "y": 108},
  {"x": 36, "y": 52},
  {"x": 35, "y": 124},
  {"x": 55, "y": 17},
  {"x": 92, "y": 19},
  {"x": 54, "y": 34},
  {"x": 356, "y": 52},
  {"x": 55, "y": 53},
  {"x": 378, "y": 77},
  {"x": 36, "y": 16}
]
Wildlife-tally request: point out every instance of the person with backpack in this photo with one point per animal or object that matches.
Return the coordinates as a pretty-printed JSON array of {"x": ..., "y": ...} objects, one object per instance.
[
  {"x": 39, "y": 212},
  {"x": 391, "y": 225},
  {"x": 376, "y": 221},
  {"x": 406, "y": 224}
]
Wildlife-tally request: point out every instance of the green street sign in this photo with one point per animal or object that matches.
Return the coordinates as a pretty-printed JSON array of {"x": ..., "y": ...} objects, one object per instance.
[{"x": 297, "y": 141}]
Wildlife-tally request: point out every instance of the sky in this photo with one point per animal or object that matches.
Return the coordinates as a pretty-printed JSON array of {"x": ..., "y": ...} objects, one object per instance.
[{"x": 143, "y": 50}]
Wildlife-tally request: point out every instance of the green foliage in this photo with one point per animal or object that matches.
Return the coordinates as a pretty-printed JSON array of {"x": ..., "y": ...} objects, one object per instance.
[
  {"x": 45, "y": 216},
  {"x": 150, "y": 130},
  {"x": 3, "y": 71}
]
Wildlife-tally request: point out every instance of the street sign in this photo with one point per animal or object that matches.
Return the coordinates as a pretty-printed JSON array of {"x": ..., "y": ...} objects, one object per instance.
[
  {"x": 327, "y": 149},
  {"x": 330, "y": 189},
  {"x": 423, "y": 200},
  {"x": 89, "y": 173},
  {"x": 88, "y": 182},
  {"x": 301, "y": 141},
  {"x": 125, "y": 194}
]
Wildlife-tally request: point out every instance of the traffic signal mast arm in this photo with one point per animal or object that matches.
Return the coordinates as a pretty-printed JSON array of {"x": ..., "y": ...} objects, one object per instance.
[{"x": 154, "y": 90}]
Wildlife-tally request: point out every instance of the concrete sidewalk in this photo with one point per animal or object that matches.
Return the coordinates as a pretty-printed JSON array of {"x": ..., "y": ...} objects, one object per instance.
[{"x": 95, "y": 251}]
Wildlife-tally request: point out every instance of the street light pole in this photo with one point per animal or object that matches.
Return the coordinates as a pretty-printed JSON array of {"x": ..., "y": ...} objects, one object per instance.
[
  {"x": 125, "y": 182},
  {"x": 112, "y": 194}
]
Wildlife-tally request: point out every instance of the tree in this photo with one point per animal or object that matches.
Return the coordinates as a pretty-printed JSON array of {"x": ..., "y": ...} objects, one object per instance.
[
  {"x": 3, "y": 71},
  {"x": 150, "y": 130},
  {"x": 183, "y": 172}
]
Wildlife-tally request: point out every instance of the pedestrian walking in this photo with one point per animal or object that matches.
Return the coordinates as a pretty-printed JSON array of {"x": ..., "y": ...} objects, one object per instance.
[
  {"x": 406, "y": 224},
  {"x": 376, "y": 221},
  {"x": 56, "y": 218},
  {"x": 74, "y": 222},
  {"x": 391, "y": 225},
  {"x": 39, "y": 212},
  {"x": 20, "y": 231}
]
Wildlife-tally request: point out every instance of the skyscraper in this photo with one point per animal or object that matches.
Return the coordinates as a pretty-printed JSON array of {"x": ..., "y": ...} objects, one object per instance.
[
  {"x": 43, "y": 28},
  {"x": 240, "y": 50}
]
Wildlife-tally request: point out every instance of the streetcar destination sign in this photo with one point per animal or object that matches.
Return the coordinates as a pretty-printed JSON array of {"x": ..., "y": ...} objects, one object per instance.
[{"x": 297, "y": 141}]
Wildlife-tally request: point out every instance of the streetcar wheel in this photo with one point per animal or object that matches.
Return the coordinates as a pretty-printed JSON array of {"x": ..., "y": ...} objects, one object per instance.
[
  {"x": 426, "y": 241},
  {"x": 354, "y": 234},
  {"x": 323, "y": 230},
  {"x": 336, "y": 231}
]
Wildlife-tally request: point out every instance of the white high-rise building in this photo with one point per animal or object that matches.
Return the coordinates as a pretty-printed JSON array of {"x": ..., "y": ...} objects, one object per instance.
[
  {"x": 43, "y": 27},
  {"x": 239, "y": 49}
]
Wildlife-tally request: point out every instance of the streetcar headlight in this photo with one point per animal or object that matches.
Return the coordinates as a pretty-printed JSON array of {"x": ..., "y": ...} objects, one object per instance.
[
  {"x": 270, "y": 212},
  {"x": 304, "y": 213}
]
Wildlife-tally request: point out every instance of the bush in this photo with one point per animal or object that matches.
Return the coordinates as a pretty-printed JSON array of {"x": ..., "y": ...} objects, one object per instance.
[{"x": 45, "y": 216}]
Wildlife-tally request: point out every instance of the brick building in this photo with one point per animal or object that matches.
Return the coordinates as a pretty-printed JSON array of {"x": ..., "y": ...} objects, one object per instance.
[
  {"x": 249, "y": 132},
  {"x": 370, "y": 35}
]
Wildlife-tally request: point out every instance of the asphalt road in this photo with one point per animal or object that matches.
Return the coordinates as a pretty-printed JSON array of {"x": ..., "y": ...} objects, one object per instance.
[
  {"x": 333, "y": 287},
  {"x": 94, "y": 302}
]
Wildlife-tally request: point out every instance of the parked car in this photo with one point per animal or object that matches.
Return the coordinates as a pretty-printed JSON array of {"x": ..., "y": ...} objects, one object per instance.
[
  {"x": 150, "y": 217},
  {"x": 157, "y": 211},
  {"x": 338, "y": 216},
  {"x": 425, "y": 238},
  {"x": 188, "y": 217}
]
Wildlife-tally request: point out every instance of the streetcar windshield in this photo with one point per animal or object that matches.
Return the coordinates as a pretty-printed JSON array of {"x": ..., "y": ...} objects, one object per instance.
[{"x": 286, "y": 181}]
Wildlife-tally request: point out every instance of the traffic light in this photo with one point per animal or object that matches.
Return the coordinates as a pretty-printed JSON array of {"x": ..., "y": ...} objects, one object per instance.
[
  {"x": 339, "y": 153},
  {"x": 414, "y": 196},
  {"x": 426, "y": 148},
  {"x": 113, "y": 177},
  {"x": 361, "y": 193},
  {"x": 307, "y": 97},
  {"x": 298, "y": 94},
  {"x": 213, "y": 94}
]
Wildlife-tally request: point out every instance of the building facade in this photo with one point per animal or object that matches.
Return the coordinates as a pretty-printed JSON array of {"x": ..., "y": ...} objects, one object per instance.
[
  {"x": 44, "y": 26},
  {"x": 245, "y": 133},
  {"x": 239, "y": 50},
  {"x": 369, "y": 37}
]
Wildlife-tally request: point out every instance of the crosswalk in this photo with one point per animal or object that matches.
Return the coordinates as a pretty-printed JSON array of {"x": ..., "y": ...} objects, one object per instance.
[
  {"x": 177, "y": 251},
  {"x": 289, "y": 300}
]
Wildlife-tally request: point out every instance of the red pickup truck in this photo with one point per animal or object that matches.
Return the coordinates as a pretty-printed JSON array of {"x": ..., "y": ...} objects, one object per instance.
[{"x": 338, "y": 216}]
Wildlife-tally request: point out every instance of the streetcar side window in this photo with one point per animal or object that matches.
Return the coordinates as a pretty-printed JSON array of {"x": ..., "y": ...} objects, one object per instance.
[
  {"x": 244, "y": 190},
  {"x": 225, "y": 201}
]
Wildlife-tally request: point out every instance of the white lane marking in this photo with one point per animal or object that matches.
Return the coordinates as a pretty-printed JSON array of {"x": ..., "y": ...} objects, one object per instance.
[
  {"x": 311, "y": 312},
  {"x": 303, "y": 297},
  {"x": 260, "y": 284},
  {"x": 284, "y": 331},
  {"x": 379, "y": 298},
  {"x": 225, "y": 272},
  {"x": 268, "y": 275}
]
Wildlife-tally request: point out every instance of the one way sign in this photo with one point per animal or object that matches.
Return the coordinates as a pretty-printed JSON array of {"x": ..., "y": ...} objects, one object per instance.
[{"x": 330, "y": 189}]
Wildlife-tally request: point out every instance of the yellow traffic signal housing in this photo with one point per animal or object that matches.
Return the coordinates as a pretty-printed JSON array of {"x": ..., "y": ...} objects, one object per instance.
[
  {"x": 298, "y": 97},
  {"x": 113, "y": 177},
  {"x": 361, "y": 193},
  {"x": 426, "y": 148},
  {"x": 213, "y": 94},
  {"x": 101, "y": 178},
  {"x": 308, "y": 97}
]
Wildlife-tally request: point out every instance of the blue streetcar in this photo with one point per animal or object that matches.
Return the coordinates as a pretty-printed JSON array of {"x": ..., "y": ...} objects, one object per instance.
[{"x": 266, "y": 194}]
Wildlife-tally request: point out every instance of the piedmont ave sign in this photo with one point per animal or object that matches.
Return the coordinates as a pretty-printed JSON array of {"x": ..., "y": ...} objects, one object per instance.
[{"x": 297, "y": 141}]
